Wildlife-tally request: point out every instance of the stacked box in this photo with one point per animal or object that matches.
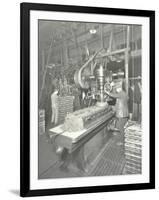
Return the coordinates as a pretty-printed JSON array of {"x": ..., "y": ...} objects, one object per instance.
[
  {"x": 41, "y": 121},
  {"x": 65, "y": 105},
  {"x": 133, "y": 148}
]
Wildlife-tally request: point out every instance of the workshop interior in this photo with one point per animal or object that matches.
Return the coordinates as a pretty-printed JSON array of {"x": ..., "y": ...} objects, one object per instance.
[{"x": 89, "y": 99}]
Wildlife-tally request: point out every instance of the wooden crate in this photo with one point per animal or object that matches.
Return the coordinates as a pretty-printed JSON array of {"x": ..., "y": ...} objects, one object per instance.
[
  {"x": 41, "y": 121},
  {"x": 133, "y": 148},
  {"x": 65, "y": 105}
]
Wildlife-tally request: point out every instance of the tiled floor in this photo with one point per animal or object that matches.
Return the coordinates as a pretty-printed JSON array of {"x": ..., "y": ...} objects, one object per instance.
[{"x": 110, "y": 161}]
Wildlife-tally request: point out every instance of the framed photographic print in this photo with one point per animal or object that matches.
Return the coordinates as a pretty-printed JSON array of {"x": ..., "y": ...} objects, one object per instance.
[{"x": 87, "y": 99}]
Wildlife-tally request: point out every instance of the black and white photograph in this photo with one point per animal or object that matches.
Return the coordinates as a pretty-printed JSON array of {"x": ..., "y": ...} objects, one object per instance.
[
  {"x": 90, "y": 99},
  {"x": 87, "y": 99}
]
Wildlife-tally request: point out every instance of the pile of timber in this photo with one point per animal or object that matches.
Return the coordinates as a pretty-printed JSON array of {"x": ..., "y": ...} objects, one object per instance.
[
  {"x": 65, "y": 106},
  {"x": 133, "y": 148},
  {"x": 84, "y": 118},
  {"x": 41, "y": 122}
]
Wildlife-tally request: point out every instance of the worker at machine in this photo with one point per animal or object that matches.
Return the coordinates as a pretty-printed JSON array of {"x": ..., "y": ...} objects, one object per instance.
[
  {"x": 54, "y": 105},
  {"x": 76, "y": 102},
  {"x": 121, "y": 109}
]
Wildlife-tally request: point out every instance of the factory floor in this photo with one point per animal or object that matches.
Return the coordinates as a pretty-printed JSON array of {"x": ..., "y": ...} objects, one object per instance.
[{"x": 110, "y": 160}]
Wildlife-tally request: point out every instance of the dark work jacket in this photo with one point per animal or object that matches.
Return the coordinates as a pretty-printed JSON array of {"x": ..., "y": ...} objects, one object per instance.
[{"x": 137, "y": 94}]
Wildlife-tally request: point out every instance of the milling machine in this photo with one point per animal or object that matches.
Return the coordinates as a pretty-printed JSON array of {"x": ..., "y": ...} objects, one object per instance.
[{"x": 84, "y": 132}]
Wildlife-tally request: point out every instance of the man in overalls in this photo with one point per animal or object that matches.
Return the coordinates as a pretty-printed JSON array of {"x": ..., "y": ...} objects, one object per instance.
[
  {"x": 121, "y": 109},
  {"x": 54, "y": 105}
]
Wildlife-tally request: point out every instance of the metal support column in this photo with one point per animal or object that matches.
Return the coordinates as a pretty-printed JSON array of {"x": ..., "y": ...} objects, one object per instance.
[{"x": 127, "y": 59}]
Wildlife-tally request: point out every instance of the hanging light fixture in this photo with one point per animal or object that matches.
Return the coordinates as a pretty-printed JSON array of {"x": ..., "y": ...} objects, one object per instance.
[{"x": 93, "y": 31}]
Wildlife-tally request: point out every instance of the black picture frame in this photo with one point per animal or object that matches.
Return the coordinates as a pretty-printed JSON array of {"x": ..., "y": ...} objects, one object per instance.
[{"x": 25, "y": 9}]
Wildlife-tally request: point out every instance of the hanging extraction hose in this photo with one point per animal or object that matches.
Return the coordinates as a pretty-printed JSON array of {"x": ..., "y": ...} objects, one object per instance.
[{"x": 78, "y": 78}]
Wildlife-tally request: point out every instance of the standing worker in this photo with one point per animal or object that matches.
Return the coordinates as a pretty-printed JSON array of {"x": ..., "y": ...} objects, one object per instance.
[
  {"x": 121, "y": 109},
  {"x": 54, "y": 105}
]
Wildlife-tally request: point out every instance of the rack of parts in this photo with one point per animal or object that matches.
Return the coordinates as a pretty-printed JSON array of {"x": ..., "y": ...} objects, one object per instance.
[{"x": 133, "y": 148}]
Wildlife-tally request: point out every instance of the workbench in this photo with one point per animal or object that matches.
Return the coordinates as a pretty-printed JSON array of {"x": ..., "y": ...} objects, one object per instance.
[{"x": 83, "y": 146}]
